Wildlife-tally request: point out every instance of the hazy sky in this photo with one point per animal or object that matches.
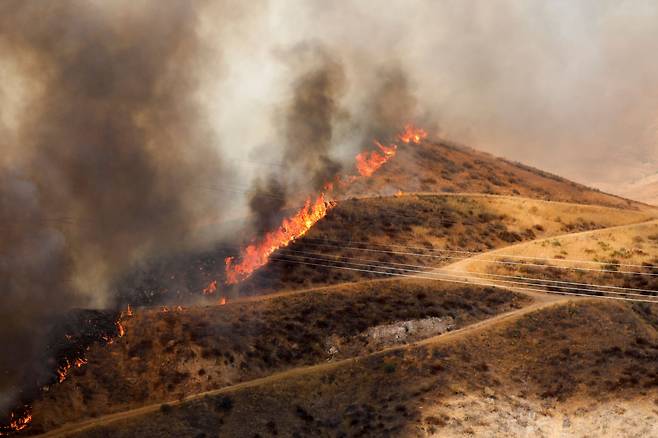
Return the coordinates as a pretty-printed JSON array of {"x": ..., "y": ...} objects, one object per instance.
[{"x": 568, "y": 86}]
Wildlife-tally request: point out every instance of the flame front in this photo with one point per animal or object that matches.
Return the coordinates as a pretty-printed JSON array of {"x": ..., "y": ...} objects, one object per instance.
[
  {"x": 367, "y": 163},
  {"x": 211, "y": 288},
  {"x": 17, "y": 423},
  {"x": 257, "y": 254},
  {"x": 63, "y": 371}
]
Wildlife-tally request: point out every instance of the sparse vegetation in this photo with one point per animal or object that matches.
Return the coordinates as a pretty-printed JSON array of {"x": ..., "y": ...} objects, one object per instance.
[
  {"x": 211, "y": 347},
  {"x": 564, "y": 358}
]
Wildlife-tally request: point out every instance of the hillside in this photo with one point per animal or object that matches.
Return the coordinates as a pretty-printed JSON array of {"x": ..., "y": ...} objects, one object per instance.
[
  {"x": 168, "y": 355},
  {"x": 424, "y": 221},
  {"x": 544, "y": 371},
  {"x": 336, "y": 304},
  {"x": 442, "y": 166},
  {"x": 414, "y": 231}
]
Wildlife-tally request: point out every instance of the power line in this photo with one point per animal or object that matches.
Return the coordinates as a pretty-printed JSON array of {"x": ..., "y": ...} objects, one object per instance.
[
  {"x": 469, "y": 282},
  {"x": 484, "y": 260},
  {"x": 467, "y": 275},
  {"x": 438, "y": 269}
]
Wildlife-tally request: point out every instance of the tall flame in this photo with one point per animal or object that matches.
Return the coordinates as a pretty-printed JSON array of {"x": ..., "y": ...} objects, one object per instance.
[{"x": 257, "y": 254}]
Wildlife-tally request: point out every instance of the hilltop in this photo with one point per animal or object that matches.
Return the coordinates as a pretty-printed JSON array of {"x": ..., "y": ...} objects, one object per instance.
[{"x": 443, "y": 166}]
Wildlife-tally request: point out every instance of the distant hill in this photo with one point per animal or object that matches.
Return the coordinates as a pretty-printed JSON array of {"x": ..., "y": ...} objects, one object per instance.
[
  {"x": 442, "y": 166},
  {"x": 643, "y": 190}
]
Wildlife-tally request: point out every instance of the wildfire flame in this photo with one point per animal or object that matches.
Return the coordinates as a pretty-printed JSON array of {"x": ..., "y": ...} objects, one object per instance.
[
  {"x": 222, "y": 301},
  {"x": 211, "y": 288},
  {"x": 63, "y": 371},
  {"x": 17, "y": 423},
  {"x": 367, "y": 163},
  {"x": 257, "y": 254},
  {"x": 411, "y": 134},
  {"x": 120, "y": 329}
]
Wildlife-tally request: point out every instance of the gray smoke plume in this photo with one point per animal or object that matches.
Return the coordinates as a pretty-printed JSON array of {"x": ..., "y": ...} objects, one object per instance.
[
  {"x": 105, "y": 165},
  {"x": 391, "y": 104},
  {"x": 307, "y": 135}
]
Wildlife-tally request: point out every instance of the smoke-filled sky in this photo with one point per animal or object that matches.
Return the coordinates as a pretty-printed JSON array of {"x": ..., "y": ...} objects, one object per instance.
[
  {"x": 567, "y": 86},
  {"x": 125, "y": 124}
]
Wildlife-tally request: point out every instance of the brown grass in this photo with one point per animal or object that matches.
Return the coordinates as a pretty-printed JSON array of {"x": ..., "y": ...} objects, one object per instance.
[
  {"x": 446, "y": 167},
  {"x": 169, "y": 355},
  {"x": 594, "y": 351},
  {"x": 425, "y": 222}
]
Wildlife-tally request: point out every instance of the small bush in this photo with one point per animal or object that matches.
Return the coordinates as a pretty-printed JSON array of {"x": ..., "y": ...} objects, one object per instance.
[{"x": 223, "y": 403}]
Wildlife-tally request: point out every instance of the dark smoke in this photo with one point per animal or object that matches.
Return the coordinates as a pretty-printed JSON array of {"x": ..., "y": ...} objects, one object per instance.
[
  {"x": 308, "y": 122},
  {"x": 310, "y": 118},
  {"x": 268, "y": 199},
  {"x": 108, "y": 159},
  {"x": 390, "y": 105}
]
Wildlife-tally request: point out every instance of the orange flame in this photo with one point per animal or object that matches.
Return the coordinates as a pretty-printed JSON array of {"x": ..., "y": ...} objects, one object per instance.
[
  {"x": 120, "y": 329},
  {"x": 211, "y": 288},
  {"x": 368, "y": 162},
  {"x": 222, "y": 301},
  {"x": 129, "y": 311},
  {"x": 63, "y": 371},
  {"x": 257, "y": 254},
  {"x": 17, "y": 424},
  {"x": 411, "y": 134}
]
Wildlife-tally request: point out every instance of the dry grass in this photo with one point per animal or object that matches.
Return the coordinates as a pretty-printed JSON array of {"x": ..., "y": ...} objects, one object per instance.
[
  {"x": 446, "y": 167},
  {"x": 426, "y": 222},
  {"x": 613, "y": 250},
  {"x": 553, "y": 358},
  {"x": 169, "y": 355}
]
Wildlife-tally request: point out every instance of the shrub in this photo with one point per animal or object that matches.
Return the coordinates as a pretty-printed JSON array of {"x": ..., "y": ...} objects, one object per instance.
[{"x": 389, "y": 368}]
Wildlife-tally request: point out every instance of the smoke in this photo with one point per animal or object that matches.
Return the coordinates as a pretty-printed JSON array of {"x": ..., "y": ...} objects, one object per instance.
[
  {"x": 392, "y": 103},
  {"x": 114, "y": 112},
  {"x": 107, "y": 162},
  {"x": 567, "y": 87},
  {"x": 308, "y": 121},
  {"x": 310, "y": 116},
  {"x": 266, "y": 203}
]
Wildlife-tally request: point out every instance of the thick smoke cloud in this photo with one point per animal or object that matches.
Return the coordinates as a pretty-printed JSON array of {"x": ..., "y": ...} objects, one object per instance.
[
  {"x": 392, "y": 102},
  {"x": 105, "y": 164},
  {"x": 312, "y": 113},
  {"x": 570, "y": 87},
  {"x": 308, "y": 122}
]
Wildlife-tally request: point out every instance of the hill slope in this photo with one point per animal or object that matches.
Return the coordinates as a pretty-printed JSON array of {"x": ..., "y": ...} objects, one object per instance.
[
  {"x": 644, "y": 190},
  {"x": 441, "y": 166},
  {"x": 167, "y": 355},
  {"x": 539, "y": 372}
]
